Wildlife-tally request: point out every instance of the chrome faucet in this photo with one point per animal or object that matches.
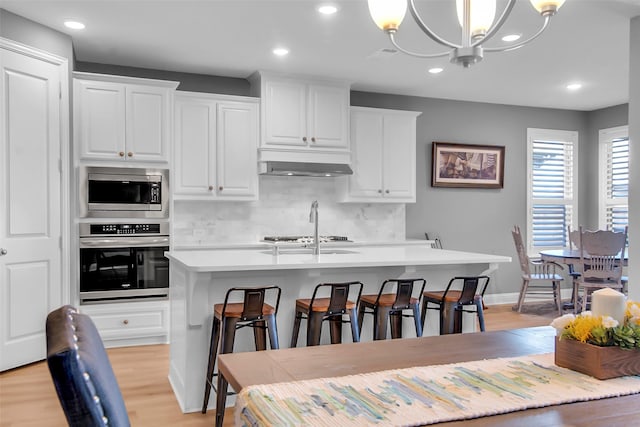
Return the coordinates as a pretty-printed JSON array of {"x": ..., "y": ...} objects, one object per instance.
[{"x": 313, "y": 217}]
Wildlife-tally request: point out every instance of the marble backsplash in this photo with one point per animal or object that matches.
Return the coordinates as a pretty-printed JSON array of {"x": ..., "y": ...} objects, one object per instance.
[{"x": 283, "y": 209}]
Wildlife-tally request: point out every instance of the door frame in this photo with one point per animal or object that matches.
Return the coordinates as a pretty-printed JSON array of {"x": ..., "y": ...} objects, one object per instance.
[{"x": 65, "y": 159}]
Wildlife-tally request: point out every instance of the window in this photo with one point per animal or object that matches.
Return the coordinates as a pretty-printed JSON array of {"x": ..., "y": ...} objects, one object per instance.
[
  {"x": 613, "y": 165},
  {"x": 552, "y": 188}
]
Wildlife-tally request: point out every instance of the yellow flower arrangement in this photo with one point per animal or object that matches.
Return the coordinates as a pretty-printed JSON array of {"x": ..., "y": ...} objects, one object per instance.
[{"x": 602, "y": 330}]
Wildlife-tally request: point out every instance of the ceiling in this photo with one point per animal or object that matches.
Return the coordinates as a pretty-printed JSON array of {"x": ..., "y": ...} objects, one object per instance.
[{"x": 587, "y": 42}]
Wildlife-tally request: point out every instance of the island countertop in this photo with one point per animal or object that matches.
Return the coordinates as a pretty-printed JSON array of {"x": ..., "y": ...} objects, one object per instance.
[{"x": 335, "y": 256}]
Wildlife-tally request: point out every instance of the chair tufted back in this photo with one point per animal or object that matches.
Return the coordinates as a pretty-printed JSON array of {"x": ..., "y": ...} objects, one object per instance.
[{"x": 81, "y": 371}]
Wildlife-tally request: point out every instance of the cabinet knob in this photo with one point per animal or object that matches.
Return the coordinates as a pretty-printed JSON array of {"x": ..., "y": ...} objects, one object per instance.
[
  {"x": 304, "y": 139},
  {"x": 220, "y": 188},
  {"x": 386, "y": 191},
  {"x": 3, "y": 251},
  {"x": 313, "y": 139},
  {"x": 125, "y": 322},
  {"x": 121, "y": 154},
  {"x": 211, "y": 188},
  {"x": 380, "y": 191},
  {"x": 130, "y": 154}
]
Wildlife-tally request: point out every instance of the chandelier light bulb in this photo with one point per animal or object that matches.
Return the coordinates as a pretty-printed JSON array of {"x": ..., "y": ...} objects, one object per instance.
[
  {"x": 387, "y": 14},
  {"x": 547, "y": 7},
  {"x": 482, "y": 13}
]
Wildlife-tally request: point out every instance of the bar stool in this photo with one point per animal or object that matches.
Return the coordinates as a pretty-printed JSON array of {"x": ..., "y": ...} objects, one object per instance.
[
  {"x": 316, "y": 310},
  {"x": 451, "y": 303},
  {"x": 387, "y": 307},
  {"x": 230, "y": 316}
]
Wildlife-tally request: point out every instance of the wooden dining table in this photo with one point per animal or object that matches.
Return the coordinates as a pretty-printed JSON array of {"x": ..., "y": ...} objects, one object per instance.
[{"x": 273, "y": 366}]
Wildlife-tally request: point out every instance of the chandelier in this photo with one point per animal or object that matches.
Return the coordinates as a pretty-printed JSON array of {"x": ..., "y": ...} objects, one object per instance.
[{"x": 476, "y": 18}]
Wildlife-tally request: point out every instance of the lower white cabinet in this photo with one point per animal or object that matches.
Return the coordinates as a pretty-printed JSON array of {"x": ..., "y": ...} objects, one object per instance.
[
  {"x": 383, "y": 156},
  {"x": 130, "y": 323},
  {"x": 216, "y": 143}
]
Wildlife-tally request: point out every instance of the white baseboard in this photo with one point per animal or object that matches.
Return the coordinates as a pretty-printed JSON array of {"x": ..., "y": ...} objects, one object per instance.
[{"x": 512, "y": 298}]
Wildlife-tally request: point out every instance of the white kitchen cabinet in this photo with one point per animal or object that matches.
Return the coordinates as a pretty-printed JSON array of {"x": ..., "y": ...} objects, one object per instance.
[
  {"x": 122, "y": 118},
  {"x": 383, "y": 156},
  {"x": 302, "y": 119},
  {"x": 216, "y": 141},
  {"x": 131, "y": 323}
]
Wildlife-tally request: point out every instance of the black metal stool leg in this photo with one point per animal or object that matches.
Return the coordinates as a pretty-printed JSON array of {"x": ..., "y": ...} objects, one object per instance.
[
  {"x": 335, "y": 328},
  {"x": 381, "y": 319},
  {"x": 260, "y": 334},
  {"x": 213, "y": 350},
  {"x": 296, "y": 329},
  {"x": 417, "y": 320},
  {"x": 480, "y": 311},
  {"x": 314, "y": 328},
  {"x": 273, "y": 332},
  {"x": 221, "y": 399},
  {"x": 355, "y": 330}
]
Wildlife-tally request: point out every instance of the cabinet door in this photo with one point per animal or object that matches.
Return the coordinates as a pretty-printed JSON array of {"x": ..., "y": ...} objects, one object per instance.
[
  {"x": 237, "y": 145},
  {"x": 328, "y": 116},
  {"x": 195, "y": 130},
  {"x": 284, "y": 113},
  {"x": 100, "y": 119},
  {"x": 366, "y": 141},
  {"x": 146, "y": 124},
  {"x": 399, "y": 157}
]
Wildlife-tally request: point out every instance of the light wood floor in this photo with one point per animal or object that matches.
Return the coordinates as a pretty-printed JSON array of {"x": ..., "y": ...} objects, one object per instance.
[{"x": 28, "y": 399}]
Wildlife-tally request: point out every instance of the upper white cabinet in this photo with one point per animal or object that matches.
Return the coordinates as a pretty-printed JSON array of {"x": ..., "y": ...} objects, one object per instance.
[
  {"x": 383, "y": 156},
  {"x": 122, "y": 118},
  {"x": 216, "y": 141},
  {"x": 302, "y": 119}
]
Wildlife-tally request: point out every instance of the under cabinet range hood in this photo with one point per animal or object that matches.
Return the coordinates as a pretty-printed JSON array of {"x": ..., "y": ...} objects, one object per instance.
[{"x": 304, "y": 169}]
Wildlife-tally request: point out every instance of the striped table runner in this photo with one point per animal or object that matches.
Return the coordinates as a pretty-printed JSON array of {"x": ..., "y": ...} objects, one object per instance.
[{"x": 424, "y": 395}]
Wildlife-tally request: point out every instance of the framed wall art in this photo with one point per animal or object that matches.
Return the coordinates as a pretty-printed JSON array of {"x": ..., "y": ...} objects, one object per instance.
[{"x": 467, "y": 166}]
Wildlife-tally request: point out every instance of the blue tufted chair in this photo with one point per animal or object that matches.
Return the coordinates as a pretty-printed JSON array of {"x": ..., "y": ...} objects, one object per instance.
[{"x": 81, "y": 371}]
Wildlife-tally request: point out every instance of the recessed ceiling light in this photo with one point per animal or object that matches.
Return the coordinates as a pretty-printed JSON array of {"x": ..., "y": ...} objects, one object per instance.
[
  {"x": 436, "y": 70},
  {"x": 511, "y": 37},
  {"x": 574, "y": 86},
  {"x": 280, "y": 51},
  {"x": 327, "y": 9},
  {"x": 74, "y": 25}
]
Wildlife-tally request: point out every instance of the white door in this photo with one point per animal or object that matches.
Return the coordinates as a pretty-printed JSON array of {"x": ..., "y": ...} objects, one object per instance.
[
  {"x": 284, "y": 118},
  {"x": 328, "y": 117},
  {"x": 399, "y": 157},
  {"x": 30, "y": 203},
  {"x": 147, "y": 136}
]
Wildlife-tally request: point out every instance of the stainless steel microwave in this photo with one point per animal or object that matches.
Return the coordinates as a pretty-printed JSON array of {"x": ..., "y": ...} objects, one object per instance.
[{"x": 112, "y": 192}]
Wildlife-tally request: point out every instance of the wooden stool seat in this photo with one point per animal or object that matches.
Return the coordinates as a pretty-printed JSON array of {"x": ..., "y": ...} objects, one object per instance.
[
  {"x": 320, "y": 304},
  {"x": 452, "y": 296},
  {"x": 389, "y": 307},
  {"x": 386, "y": 300},
  {"x": 318, "y": 309},
  {"x": 235, "y": 309}
]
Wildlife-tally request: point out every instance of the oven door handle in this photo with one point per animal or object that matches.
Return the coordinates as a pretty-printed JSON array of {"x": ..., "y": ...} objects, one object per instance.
[{"x": 119, "y": 242}]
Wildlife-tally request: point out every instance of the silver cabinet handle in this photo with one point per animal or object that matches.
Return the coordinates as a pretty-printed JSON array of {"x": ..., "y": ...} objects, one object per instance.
[{"x": 3, "y": 251}]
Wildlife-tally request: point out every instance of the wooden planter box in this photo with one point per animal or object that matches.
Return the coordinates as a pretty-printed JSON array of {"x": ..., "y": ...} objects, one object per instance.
[{"x": 599, "y": 362}]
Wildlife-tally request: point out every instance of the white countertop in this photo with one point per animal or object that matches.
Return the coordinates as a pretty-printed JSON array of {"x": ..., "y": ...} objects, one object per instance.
[{"x": 212, "y": 260}]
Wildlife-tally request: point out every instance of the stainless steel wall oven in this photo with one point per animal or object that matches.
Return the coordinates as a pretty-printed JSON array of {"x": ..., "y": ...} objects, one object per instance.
[{"x": 123, "y": 261}]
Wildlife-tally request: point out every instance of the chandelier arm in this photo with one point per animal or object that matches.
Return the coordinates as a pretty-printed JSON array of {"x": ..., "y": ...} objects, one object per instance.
[
  {"x": 416, "y": 54},
  {"x": 519, "y": 45},
  {"x": 425, "y": 29},
  {"x": 499, "y": 23}
]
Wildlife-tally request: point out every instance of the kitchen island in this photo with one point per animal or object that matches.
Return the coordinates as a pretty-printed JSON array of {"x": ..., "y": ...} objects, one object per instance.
[{"x": 200, "y": 279}]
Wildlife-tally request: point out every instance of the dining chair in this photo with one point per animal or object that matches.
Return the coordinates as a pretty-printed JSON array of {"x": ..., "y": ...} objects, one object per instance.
[
  {"x": 540, "y": 279},
  {"x": 601, "y": 263},
  {"x": 81, "y": 372},
  {"x": 462, "y": 294}
]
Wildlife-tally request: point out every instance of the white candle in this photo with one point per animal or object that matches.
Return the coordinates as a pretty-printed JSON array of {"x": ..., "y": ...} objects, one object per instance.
[{"x": 608, "y": 302}]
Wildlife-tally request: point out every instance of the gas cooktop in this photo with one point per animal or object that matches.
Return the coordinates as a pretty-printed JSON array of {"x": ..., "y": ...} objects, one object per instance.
[{"x": 304, "y": 239}]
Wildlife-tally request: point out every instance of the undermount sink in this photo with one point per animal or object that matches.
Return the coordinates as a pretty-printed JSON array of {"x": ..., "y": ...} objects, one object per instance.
[{"x": 309, "y": 251}]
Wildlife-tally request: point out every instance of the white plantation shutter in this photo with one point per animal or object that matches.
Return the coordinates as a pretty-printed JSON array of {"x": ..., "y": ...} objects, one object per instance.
[
  {"x": 552, "y": 187},
  {"x": 614, "y": 178}
]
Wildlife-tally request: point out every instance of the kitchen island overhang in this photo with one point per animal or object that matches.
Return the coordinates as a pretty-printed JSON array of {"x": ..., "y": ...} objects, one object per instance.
[{"x": 200, "y": 279}]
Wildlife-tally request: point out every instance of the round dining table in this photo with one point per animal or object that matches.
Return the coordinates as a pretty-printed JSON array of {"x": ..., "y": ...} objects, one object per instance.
[{"x": 570, "y": 257}]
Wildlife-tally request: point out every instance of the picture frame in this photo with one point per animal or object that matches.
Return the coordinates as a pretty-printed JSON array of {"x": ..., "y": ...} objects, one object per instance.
[{"x": 467, "y": 165}]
